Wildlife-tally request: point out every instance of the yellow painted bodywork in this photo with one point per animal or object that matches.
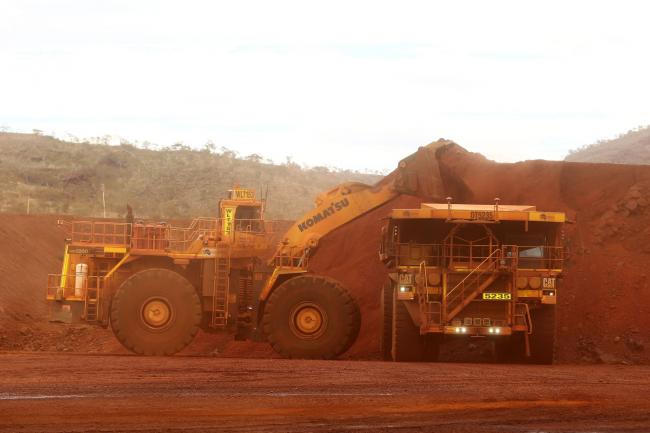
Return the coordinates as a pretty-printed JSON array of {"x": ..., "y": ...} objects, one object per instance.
[
  {"x": 478, "y": 212},
  {"x": 228, "y": 220},
  {"x": 66, "y": 266},
  {"x": 127, "y": 258},
  {"x": 119, "y": 250},
  {"x": 529, "y": 293},
  {"x": 334, "y": 209},
  {"x": 277, "y": 272}
]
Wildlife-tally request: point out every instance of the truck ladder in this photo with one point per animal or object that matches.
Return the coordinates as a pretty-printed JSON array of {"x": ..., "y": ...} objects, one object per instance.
[
  {"x": 430, "y": 306},
  {"x": 91, "y": 304},
  {"x": 221, "y": 287},
  {"x": 472, "y": 285}
]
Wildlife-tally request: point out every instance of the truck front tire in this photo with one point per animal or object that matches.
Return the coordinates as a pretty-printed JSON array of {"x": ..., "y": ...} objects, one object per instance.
[
  {"x": 311, "y": 317},
  {"x": 386, "y": 337},
  {"x": 407, "y": 343},
  {"x": 542, "y": 340},
  {"x": 155, "y": 312}
]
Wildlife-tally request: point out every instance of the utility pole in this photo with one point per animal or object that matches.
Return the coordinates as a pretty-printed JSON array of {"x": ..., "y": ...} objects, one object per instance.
[{"x": 104, "y": 199}]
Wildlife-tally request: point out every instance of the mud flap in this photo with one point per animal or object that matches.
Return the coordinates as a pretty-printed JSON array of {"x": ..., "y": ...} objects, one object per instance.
[{"x": 65, "y": 312}]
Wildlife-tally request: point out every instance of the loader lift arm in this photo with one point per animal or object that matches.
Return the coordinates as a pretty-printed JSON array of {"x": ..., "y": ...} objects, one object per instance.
[{"x": 417, "y": 175}]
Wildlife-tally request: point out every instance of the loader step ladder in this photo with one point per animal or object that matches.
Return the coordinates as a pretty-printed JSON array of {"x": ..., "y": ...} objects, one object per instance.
[
  {"x": 91, "y": 304},
  {"x": 221, "y": 287},
  {"x": 472, "y": 285}
]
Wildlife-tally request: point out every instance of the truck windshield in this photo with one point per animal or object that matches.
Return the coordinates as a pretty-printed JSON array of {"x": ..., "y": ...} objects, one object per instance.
[{"x": 531, "y": 252}]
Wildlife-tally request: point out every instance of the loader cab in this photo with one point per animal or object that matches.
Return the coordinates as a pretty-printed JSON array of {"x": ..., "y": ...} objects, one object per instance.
[{"x": 241, "y": 213}]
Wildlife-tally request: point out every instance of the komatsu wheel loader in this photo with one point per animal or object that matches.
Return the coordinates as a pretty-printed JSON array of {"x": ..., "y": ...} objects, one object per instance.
[{"x": 306, "y": 315}]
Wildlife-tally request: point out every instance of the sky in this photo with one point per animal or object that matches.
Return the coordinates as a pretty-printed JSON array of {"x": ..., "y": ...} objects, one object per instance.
[{"x": 350, "y": 84}]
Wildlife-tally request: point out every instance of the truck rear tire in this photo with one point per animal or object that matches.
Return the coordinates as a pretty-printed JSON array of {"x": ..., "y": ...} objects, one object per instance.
[
  {"x": 407, "y": 343},
  {"x": 542, "y": 340},
  {"x": 386, "y": 337},
  {"x": 155, "y": 312},
  {"x": 311, "y": 317}
]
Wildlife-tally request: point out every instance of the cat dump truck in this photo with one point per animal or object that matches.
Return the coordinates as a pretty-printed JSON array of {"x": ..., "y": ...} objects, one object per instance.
[
  {"x": 471, "y": 271},
  {"x": 307, "y": 315},
  {"x": 156, "y": 284}
]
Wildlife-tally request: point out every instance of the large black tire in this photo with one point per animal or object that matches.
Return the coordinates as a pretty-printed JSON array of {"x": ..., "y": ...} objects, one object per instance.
[
  {"x": 311, "y": 317},
  {"x": 155, "y": 312},
  {"x": 510, "y": 350},
  {"x": 386, "y": 337},
  {"x": 542, "y": 340},
  {"x": 431, "y": 349},
  {"x": 408, "y": 345}
]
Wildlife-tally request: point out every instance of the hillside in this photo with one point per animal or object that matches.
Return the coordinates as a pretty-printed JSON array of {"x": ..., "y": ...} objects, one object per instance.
[
  {"x": 62, "y": 177},
  {"x": 630, "y": 148}
]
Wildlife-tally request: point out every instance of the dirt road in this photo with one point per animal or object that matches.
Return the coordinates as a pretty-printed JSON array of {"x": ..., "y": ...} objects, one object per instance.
[{"x": 56, "y": 393}]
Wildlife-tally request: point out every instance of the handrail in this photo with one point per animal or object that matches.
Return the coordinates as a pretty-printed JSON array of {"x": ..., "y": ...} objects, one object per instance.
[
  {"x": 65, "y": 285},
  {"x": 411, "y": 254},
  {"x": 498, "y": 250},
  {"x": 152, "y": 235},
  {"x": 423, "y": 265}
]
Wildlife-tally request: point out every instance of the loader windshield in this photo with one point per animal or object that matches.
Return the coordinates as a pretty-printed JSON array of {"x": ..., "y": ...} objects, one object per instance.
[{"x": 248, "y": 219}]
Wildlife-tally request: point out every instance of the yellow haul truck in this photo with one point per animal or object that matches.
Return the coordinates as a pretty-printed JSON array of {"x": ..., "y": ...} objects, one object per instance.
[
  {"x": 156, "y": 284},
  {"x": 467, "y": 270}
]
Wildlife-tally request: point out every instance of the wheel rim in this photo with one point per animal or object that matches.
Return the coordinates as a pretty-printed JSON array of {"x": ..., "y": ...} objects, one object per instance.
[
  {"x": 157, "y": 313},
  {"x": 308, "y": 321}
]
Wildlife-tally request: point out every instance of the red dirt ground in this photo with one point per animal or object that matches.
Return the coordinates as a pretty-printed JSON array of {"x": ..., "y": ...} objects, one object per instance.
[
  {"x": 604, "y": 303},
  {"x": 101, "y": 393}
]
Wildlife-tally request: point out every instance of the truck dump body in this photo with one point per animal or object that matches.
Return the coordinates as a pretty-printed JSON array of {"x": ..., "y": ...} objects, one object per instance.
[{"x": 474, "y": 270}]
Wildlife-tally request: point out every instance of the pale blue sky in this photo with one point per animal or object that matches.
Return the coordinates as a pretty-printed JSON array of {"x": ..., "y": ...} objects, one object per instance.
[{"x": 347, "y": 84}]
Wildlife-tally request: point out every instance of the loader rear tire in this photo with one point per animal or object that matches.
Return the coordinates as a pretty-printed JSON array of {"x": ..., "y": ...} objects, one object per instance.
[
  {"x": 386, "y": 337},
  {"x": 155, "y": 312},
  {"x": 311, "y": 317},
  {"x": 542, "y": 340},
  {"x": 407, "y": 344}
]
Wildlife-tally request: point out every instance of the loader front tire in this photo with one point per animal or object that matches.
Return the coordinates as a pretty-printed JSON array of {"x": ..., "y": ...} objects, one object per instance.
[
  {"x": 311, "y": 317},
  {"x": 155, "y": 312}
]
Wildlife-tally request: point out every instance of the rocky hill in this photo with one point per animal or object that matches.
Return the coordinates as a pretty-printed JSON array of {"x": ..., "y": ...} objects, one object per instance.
[
  {"x": 67, "y": 178},
  {"x": 630, "y": 148}
]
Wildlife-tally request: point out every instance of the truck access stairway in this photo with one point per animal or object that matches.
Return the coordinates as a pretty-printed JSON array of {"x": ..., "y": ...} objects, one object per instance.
[
  {"x": 472, "y": 285},
  {"x": 221, "y": 287}
]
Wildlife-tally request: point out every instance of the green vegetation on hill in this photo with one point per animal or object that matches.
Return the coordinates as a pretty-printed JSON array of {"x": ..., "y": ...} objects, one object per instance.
[
  {"x": 62, "y": 177},
  {"x": 630, "y": 148}
]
